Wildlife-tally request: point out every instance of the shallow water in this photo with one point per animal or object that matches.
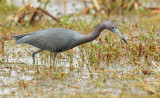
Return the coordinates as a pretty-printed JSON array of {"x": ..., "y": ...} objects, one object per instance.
[
  {"x": 56, "y": 7},
  {"x": 19, "y": 77}
]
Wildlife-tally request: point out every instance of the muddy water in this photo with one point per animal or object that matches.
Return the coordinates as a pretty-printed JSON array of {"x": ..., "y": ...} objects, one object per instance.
[
  {"x": 19, "y": 78},
  {"x": 56, "y": 7}
]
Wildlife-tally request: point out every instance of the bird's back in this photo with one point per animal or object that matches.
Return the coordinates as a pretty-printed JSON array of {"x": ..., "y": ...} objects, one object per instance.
[{"x": 54, "y": 39}]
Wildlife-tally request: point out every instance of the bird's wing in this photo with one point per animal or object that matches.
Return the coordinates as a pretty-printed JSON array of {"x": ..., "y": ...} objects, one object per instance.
[{"x": 50, "y": 41}]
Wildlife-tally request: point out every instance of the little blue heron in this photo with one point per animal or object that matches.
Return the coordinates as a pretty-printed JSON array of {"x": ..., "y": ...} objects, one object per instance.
[{"x": 61, "y": 39}]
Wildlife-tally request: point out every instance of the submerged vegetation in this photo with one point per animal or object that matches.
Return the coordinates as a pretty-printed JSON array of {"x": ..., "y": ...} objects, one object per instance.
[{"x": 106, "y": 67}]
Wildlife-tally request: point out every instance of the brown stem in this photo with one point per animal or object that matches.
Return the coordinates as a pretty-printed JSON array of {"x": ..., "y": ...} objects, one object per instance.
[{"x": 47, "y": 13}]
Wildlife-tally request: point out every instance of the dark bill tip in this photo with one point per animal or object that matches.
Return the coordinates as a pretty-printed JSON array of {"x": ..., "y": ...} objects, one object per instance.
[{"x": 124, "y": 40}]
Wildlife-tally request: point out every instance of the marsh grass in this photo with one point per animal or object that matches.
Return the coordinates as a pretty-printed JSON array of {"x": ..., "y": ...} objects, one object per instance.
[{"x": 105, "y": 67}]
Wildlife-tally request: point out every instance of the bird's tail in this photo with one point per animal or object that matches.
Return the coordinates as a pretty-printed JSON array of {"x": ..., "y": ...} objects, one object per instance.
[
  {"x": 22, "y": 38},
  {"x": 16, "y": 37}
]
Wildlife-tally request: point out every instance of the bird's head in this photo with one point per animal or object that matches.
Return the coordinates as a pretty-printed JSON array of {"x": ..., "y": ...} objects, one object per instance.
[{"x": 112, "y": 27}]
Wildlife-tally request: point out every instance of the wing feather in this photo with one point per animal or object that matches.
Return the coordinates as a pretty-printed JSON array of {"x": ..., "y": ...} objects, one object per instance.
[
  {"x": 55, "y": 39},
  {"x": 51, "y": 42}
]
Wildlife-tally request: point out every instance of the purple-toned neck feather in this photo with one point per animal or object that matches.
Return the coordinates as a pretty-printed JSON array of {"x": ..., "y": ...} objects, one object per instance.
[{"x": 90, "y": 37}]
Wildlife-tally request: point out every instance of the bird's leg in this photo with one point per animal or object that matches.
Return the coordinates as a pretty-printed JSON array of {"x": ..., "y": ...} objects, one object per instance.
[
  {"x": 33, "y": 55},
  {"x": 54, "y": 56}
]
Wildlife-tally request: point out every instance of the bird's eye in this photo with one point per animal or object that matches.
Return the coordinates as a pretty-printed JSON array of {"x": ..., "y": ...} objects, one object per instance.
[{"x": 113, "y": 27}]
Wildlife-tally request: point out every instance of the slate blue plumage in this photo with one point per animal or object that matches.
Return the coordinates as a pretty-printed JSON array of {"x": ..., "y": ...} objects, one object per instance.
[{"x": 61, "y": 39}]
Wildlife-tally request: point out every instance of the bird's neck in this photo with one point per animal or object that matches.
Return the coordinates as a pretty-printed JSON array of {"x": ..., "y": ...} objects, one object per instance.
[{"x": 90, "y": 37}]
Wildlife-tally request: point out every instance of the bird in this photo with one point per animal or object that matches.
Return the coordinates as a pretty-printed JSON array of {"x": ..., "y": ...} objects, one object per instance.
[{"x": 61, "y": 39}]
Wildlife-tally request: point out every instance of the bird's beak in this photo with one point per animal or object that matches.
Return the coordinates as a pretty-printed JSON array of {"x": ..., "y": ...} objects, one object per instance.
[{"x": 116, "y": 31}]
